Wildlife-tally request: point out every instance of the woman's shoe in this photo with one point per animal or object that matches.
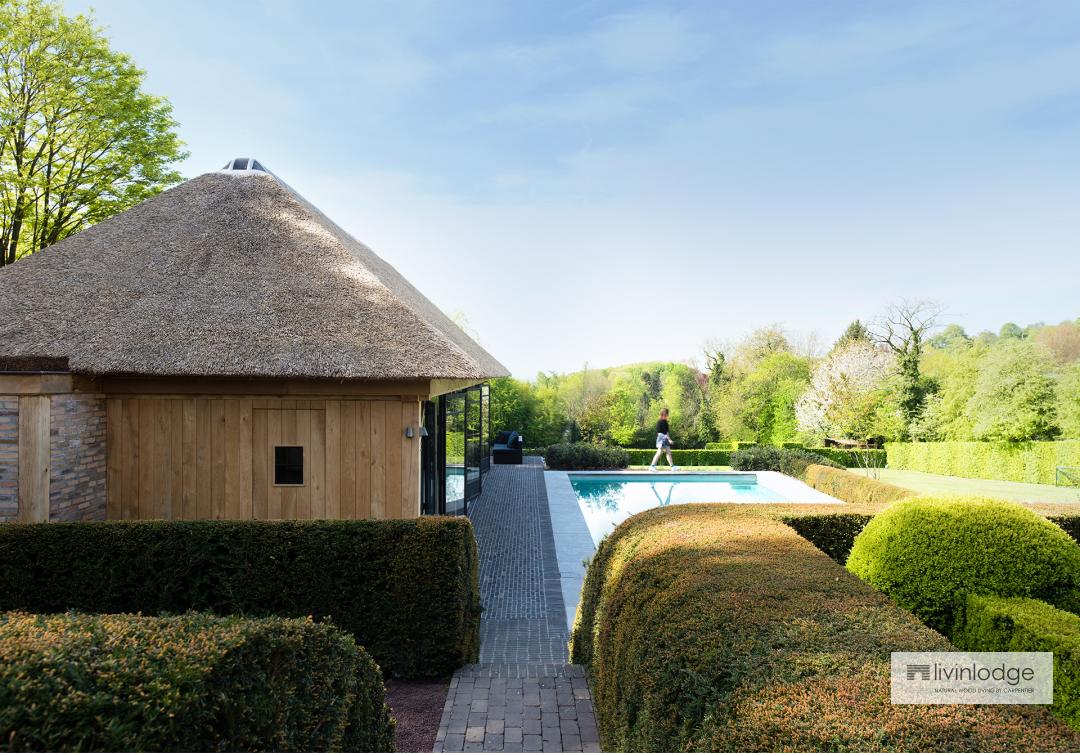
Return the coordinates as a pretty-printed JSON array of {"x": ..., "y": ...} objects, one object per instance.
[{"x": 674, "y": 467}]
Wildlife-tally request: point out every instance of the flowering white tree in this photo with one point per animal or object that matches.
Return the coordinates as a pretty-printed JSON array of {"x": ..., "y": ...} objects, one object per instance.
[{"x": 848, "y": 392}]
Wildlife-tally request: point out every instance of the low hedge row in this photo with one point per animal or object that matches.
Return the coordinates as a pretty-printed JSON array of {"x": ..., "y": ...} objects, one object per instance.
[
  {"x": 929, "y": 554},
  {"x": 683, "y": 457},
  {"x": 194, "y": 682},
  {"x": 1030, "y": 462},
  {"x": 852, "y": 487},
  {"x": 993, "y": 623},
  {"x": 733, "y": 445},
  {"x": 582, "y": 456},
  {"x": 406, "y": 589},
  {"x": 712, "y": 629}
]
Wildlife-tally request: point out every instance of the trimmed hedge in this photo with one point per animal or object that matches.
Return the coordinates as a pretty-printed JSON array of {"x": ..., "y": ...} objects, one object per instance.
[
  {"x": 732, "y": 445},
  {"x": 1029, "y": 462},
  {"x": 195, "y": 682},
  {"x": 406, "y": 589},
  {"x": 791, "y": 462},
  {"x": 582, "y": 456},
  {"x": 992, "y": 623},
  {"x": 710, "y": 629},
  {"x": 851, "y": 487},
  {"x": 690, "y": 458},
  {"x": 835, "y": 534},
  {"x": 851, "y": 458},
  {"x": 682, "y": 457},
  {"x": 832, "y": 534},
  {"x": 930, "y": 554}
]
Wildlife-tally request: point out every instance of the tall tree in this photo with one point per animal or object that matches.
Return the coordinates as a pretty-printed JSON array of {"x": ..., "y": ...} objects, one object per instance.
[
  {"x": 1015, "y": 394},
  {"x": 849, "y": 395},
  {"x": 855, "y": 332},
  {"x": 904, "y": 329},
  {"x": 79, "y": 139}
]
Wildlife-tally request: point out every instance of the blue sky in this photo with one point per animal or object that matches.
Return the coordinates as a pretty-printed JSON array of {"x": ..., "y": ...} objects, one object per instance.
[{"x": 611, "y": 182}]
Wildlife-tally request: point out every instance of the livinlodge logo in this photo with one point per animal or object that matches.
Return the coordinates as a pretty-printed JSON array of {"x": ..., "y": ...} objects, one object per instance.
[
  {"x": 996, "y": 677},
  {"x": 918, "y": 671}
]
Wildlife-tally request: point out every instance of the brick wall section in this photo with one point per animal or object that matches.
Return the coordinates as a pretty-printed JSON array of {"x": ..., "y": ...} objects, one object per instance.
[
  {"x": 77, "y": 458},
  {"x": 9, "y": 458}
]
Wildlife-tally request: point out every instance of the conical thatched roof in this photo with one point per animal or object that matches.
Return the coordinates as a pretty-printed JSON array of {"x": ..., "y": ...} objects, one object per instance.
[{"x": 229, "y": 274}]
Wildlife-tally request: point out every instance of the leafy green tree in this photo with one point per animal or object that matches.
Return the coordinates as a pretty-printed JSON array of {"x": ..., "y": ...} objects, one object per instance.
[
  {"x": 1015, "y": 394},
  {"x": 953, "y": 336},
  {"x": 513, "y": 405},
  {"x": 766, "y": 397},
  {"x": 1068, "y": 403},
  {"x": 1010, "y": 331},
  {"x": 955, "y": 369},
  {"x": 904, "y": 329},
  {"x": 79, "y": 139},
  {"x": 855, "y": 332}
]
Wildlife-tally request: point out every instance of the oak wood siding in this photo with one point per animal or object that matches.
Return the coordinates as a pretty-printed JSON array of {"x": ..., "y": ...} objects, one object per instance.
[
  {"x": 188, "y": 457},
  {"x": 34, "y": 415}
]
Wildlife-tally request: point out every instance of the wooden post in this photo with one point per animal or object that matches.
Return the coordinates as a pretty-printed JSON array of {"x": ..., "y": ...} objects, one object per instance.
[{"x": 34, "y": 414}]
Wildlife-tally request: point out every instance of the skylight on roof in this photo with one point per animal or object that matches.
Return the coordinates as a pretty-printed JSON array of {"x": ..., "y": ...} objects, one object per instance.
[{"x": 244, "y": 163}]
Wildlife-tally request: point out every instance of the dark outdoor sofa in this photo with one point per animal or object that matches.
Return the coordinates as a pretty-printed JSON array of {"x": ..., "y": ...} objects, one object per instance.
[{"x": 507, "y": 449}]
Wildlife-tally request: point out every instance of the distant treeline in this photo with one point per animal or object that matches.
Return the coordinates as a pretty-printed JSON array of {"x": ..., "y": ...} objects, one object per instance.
[{"x": 904, "y": 378}]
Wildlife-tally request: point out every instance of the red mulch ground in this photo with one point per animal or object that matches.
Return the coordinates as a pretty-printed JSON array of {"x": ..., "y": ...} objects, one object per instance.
[{"x": 418, "y": 707}]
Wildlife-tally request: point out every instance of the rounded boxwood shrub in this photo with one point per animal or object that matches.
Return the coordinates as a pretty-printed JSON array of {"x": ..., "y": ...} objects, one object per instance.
[{"x": 929, "y": 554}]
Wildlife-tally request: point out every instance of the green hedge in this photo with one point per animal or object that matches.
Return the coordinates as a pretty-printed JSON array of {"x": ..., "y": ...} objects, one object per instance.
[
  {"x": 835, "y": 534},
  {"x": 992, "y": 623},
  {"x": 1029, "y": 462},
  {"x": 689, "y": 458},
  {"x": 682, "y": 457},
  {"x": 194, "y": 682},
  {"x": 706, "y": 629},
  {"x": 406, "y": 589},
  {"x": 929, "y": 554},
  {"x": 732, "y": 445},
  {"x": 783, "y": 460},
  {"x": 582, "y": 456},
  {"x": 832, "y": 534},
  {"x": 852, "y": 487}
]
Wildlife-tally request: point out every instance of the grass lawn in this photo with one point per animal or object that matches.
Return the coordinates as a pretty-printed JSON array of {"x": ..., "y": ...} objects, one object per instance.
[{"x": 931, "y": 483}]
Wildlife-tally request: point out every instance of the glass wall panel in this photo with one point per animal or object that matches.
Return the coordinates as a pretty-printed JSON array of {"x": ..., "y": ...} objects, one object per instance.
[
  {"x": 455, "y": 453},
  {"x": 485, "y": 428},
  {"x": 473, "y": 442}
]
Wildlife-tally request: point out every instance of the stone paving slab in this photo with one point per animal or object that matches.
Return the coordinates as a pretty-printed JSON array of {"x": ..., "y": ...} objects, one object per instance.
[{"x": 523, "y": 695}]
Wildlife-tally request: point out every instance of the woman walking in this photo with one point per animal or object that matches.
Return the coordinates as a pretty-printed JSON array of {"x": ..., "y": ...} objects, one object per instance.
[{"x": 663, "y": 442}]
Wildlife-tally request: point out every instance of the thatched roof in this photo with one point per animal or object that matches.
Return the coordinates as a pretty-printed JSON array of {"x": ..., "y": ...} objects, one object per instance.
[{"x": 229, "y": 274}]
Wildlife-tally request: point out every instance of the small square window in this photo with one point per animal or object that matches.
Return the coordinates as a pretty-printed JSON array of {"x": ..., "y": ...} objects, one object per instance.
[{"x": 289, "y": 466}]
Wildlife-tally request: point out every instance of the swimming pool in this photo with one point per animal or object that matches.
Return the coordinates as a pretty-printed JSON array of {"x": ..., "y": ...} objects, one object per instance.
[{"x": 607, "y": 499}]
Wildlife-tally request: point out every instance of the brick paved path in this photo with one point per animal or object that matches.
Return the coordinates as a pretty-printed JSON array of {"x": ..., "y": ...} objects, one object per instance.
[{"x": 523, "y": 695}]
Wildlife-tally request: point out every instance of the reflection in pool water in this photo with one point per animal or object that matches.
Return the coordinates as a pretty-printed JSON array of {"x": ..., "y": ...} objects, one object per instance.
[{"x": 607, "y": 500}]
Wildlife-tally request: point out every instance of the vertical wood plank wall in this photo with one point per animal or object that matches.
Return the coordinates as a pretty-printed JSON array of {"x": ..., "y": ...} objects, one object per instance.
[
  {"x": 208, "y": 457},
  {"x": 34, "y": 414}
]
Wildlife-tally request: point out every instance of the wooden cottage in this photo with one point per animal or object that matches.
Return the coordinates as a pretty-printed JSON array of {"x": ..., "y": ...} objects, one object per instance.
[{"x": 224, "y": 350}]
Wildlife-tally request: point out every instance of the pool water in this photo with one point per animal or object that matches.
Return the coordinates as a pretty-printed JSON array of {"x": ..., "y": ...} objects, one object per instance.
[{"x": 608, "y": 499}]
